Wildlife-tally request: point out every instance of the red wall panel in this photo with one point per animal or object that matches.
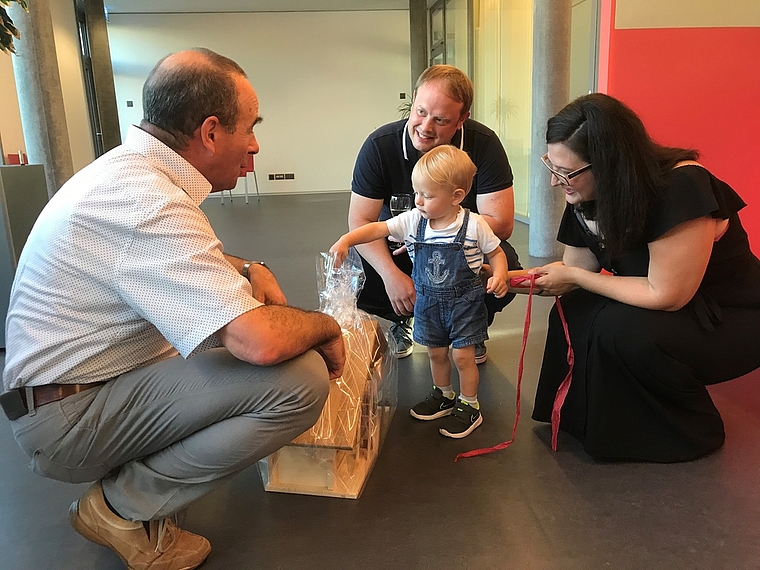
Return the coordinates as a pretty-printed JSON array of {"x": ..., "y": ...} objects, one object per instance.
[{"x": 698, "y": 88}]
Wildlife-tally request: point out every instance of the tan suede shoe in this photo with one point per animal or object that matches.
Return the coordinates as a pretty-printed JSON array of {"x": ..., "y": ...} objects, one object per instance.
[{"x": 167, "y": 548}]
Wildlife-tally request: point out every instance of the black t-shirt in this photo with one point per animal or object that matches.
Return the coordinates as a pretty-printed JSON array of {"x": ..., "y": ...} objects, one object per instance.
[
  {"x": 382, "y": 170},
  {"x": 692, "y": 192}
]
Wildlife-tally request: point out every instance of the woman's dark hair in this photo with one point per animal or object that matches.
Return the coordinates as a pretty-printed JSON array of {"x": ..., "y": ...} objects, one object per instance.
[
  {"x": 629, "y": 168},
  {"x": 178, "y": 98}
]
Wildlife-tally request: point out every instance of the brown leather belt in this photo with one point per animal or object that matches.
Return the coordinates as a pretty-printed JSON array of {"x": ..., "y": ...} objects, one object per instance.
[{"x": 53, "y": 392}]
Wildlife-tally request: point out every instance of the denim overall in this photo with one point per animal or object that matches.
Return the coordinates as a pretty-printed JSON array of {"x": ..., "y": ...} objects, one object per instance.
[{"x": 450, "y": 307}]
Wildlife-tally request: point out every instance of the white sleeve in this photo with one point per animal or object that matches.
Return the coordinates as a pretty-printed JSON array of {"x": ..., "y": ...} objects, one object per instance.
[
  {"x": 404, "y": 225},
  {"x": 487, "y": 240},
  {"x": 175, "y": 276}
]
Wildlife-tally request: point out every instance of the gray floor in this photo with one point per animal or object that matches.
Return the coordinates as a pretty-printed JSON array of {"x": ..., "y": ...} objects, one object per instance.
[{"x": 524, "y": 507}]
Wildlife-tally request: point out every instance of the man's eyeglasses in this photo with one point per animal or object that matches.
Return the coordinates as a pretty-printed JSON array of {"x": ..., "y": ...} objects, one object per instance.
[{"x": 563, "y": 178}]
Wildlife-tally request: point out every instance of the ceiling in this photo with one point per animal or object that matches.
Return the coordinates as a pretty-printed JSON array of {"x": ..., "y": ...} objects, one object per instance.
[{"x": 186, "y": 6}]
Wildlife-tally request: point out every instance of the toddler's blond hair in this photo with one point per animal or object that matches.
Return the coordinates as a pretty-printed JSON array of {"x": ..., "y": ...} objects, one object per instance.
[{"x": 447, "y": 166}]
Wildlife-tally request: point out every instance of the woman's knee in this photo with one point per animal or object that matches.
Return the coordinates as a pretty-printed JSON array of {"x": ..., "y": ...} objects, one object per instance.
[{"x": 625, "y": 329}]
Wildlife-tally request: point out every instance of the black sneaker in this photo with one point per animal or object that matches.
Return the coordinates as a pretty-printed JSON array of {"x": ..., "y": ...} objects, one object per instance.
[
  {"x": 435, "y": 406},
  {"x": 462, "y": 421},
  {"x": 402, "y": 334}
]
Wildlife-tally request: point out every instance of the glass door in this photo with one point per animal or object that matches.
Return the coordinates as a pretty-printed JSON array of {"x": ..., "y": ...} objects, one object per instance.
[
  {"x": 437, "y": 33},
  {"x": 503, "y": 46},
  {"x": 89, "y": 80},
  {"x": 450, "y": 34}
]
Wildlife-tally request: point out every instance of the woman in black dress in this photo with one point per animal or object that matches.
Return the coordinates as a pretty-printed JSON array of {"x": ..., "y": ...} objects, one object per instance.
[{"x": 659, "y": 288}]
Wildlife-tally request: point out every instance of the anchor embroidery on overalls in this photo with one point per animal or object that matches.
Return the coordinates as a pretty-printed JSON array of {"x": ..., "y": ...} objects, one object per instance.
[{"x": 436, "y": 276}]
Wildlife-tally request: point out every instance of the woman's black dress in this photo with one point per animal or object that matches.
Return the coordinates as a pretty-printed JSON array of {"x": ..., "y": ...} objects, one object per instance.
[{"x": 638, "y": 387}]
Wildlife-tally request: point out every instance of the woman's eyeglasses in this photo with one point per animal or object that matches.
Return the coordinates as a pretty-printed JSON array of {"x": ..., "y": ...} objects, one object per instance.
[{"x": 563, "y": 178}]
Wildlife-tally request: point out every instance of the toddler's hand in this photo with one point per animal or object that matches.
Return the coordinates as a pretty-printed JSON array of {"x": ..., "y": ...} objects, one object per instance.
[
  {"x": 340, "y": 251},
  {"x": 497, "y": 286}
]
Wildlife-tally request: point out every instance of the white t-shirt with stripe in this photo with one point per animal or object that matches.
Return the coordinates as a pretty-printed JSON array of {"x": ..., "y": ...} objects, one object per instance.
[{"x": 479, "y": 237}]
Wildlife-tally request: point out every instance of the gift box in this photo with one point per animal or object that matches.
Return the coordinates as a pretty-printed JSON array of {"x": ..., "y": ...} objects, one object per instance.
[{"x": 335, "y": 457}]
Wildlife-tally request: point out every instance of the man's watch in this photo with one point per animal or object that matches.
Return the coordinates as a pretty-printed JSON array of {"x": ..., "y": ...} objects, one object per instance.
[{"x": 247, "y": 267}]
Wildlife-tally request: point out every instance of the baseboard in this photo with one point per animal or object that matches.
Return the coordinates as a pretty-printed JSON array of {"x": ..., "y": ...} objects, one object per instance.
[{"x": 283, "y": 193}]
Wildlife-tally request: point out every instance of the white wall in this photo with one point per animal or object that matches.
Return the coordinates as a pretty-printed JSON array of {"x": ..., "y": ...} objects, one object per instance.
[
  {"x": 10, "y": 118},
  {"x": 325, "y": 80}
]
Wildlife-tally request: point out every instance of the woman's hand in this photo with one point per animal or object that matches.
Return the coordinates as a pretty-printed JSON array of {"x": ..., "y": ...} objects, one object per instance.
[
  {"x": 677, "y": 263},
  {"x": 556, "y": 278}
]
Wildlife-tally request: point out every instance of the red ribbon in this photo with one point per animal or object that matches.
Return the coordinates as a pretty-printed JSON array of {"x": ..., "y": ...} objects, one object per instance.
[{"x": 559, "y": 399}]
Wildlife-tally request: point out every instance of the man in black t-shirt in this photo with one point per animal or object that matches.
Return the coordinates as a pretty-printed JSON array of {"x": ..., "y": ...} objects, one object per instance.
[{"x": 439, "y": 115}]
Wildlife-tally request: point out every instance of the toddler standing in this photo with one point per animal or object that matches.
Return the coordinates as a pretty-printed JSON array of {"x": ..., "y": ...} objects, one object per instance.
[{"x": 446, "y": 244}]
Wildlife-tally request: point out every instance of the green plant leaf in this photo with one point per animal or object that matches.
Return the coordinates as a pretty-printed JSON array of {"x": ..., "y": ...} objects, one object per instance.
[{"x": 7, "y": 30}]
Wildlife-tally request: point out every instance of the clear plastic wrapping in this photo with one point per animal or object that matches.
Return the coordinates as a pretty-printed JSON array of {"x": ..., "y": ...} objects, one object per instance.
[{"x": 335, "y": 457}]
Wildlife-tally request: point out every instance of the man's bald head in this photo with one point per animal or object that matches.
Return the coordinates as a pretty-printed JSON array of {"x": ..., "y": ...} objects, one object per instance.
[{"x": 185, "y": 88}]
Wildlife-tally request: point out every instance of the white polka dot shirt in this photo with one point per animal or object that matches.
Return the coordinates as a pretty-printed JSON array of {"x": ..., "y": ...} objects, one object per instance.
[{"x": 121, "y": 270}]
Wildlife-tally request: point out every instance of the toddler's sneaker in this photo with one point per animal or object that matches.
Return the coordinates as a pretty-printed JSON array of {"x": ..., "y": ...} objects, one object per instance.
[
  {"x": 435, "y": 406},
  {"x": 462, "y": 421}
]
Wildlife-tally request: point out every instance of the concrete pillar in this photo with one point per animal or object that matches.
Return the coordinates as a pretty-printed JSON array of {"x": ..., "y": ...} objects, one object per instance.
[
  {"x": 40, "y": 96},
  {"x": 551, "y": 91},
  {"x": 418, "y": 36}
]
